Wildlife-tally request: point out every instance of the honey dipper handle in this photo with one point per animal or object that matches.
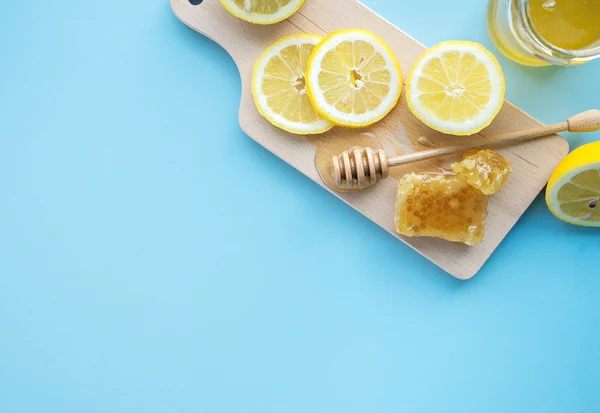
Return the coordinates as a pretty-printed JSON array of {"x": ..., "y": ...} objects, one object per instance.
[
  {"x": 588, "y": 121},
  {"x": 509, "y": 138}
]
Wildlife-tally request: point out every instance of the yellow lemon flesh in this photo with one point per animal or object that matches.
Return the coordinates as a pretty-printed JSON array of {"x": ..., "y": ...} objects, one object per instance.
[
  {"x": 573, "y": 193},
  {"x": 279, "y": 88},
  {"x": 456, "y": 87},
  {"x": 353, "y": 78},
  {"x": 262, "y": 11}
]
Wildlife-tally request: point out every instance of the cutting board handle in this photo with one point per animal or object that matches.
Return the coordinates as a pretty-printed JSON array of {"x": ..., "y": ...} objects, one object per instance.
[
  {"x": 231, "y": 33},
  {"x": 203, "y": 18}
]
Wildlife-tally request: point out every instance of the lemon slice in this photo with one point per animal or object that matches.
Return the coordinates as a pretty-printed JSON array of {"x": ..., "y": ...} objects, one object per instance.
[
  {"x": 262, "y": 11},
  {"x": 573, "y": 193},
  {"x": 353, "y": 78},
  {"x": 279, "y": 88},
  {"x": 456, "y": 87}
]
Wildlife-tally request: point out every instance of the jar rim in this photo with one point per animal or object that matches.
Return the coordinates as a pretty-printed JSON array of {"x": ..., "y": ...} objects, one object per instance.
[{"x": 547, "y": 48}]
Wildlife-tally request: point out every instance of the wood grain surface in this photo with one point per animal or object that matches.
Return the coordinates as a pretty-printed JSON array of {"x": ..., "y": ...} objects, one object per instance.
[{"x": 533, "y": 162}]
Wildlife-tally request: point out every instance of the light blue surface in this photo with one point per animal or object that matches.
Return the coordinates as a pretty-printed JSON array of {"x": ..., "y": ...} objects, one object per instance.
[{"x": 132, "y": 282}]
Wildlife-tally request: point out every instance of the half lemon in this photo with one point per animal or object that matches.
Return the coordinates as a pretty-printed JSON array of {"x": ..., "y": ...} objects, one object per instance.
[
  {"x": 353, "y": 78},
  {"x": 573, "y": 193},
  {"x": 279, "y": 88}
]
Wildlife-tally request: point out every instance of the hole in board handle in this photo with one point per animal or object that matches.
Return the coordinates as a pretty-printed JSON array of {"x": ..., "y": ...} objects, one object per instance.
[{"x": 195, "y": 2}]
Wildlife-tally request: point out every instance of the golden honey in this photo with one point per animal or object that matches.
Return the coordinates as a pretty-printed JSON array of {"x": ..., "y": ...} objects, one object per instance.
[
  {"x": 441, "y": 206},
  {"x": 485, "y": 170},
  {"x": 546, "y": 32},
  {"x": 568, "y": 24}
]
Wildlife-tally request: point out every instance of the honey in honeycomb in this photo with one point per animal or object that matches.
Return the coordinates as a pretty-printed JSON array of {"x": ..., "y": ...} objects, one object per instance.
[
  {"x": 441, "y": 206},
  {"x": 484, "y": 169}
]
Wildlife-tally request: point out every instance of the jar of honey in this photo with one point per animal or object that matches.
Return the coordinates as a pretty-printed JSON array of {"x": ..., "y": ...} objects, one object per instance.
[{"x": 546, "y": 32}]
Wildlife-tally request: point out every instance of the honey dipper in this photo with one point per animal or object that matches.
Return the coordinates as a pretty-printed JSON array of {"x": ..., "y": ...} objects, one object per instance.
[{"x": 374, "y": 164}]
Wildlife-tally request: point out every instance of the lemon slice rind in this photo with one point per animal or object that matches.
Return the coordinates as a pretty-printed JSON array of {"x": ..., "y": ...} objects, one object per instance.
[{"x": 259, "y": 18}]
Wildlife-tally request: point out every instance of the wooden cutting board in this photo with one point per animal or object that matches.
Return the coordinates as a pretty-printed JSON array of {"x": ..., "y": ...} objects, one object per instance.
[{"x": 533, "y": 162}]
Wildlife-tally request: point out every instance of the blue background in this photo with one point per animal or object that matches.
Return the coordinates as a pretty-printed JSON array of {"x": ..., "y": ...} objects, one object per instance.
[{"x": 130, "y": 281}]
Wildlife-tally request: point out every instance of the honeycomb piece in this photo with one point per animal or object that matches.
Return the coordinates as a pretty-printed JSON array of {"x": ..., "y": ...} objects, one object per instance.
[
  {"x": 441, "y": 206},
  {"x": 485, "y": 170}
]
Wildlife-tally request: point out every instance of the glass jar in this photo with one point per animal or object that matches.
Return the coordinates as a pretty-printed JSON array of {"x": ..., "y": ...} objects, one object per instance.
[{"x": 514, "y": 32}]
